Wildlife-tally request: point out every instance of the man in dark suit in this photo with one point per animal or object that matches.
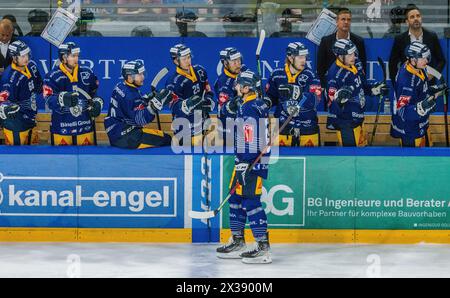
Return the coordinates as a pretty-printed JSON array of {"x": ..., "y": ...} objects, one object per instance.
[
  {"x": 325, "y": 56},
  {"x": 6, "y": 34},
  {"x": 415, "y": 33}
]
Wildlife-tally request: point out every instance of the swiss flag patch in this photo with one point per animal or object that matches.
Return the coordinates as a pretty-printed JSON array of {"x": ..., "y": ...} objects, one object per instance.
[
  {"x": 47, "y": 90},
  {"x": 223, "y": 98},
  {"x": 4, "y": 95},
  {"x": 139, "y": 107},
  {"x": 174, "y": 99},
  {"x": 248, "y": 133},
  {"x": 403, "y": 101}
]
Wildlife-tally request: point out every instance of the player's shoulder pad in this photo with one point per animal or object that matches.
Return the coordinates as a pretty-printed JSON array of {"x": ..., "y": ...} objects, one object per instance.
[
  {"x": 120, "y": 90},
  {"x": 278, "y": 71},
  {"x": 308, "y": 71},
  {"x": 85, "y": 69},
  {"x": 198, "y": 67}
]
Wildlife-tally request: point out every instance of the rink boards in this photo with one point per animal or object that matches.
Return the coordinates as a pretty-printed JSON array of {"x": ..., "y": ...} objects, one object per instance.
[{"x": 322, "y": 195}]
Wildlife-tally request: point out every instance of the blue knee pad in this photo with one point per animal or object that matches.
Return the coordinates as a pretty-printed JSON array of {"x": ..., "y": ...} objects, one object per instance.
[
  {"x": 238, "y": 217},
  {"x": 257, "y": 217}
]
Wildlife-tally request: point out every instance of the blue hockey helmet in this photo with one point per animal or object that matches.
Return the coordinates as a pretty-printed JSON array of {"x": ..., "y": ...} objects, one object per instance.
[
  {"x": 18, "y": 48},
  {"x": 179, "y": 50},
  {"x": 229, "y": 54},
  {"x": 131, "y": 68},
  {"x": 248, "y": 78},
  {"x": 69, "y": 48},
  {"x": 344, "y": 47},
  {"x": 417, "y": 50},
  {"x": 297, "y": 49}
]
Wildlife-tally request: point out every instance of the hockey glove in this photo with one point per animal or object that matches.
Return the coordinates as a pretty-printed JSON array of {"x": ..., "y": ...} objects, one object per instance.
[
  {"x": 68, "y": 99},
  {"x": 9, "y": 111},
  {"x": 208, "y": 103},
  {"x": 190, "y": 104},
  {"x": 159, "y": 99},
  {"x": 241, "y": 172},
  {"x": 290, "y": 91},
  {"x": 438, "y": 90},
  {"x": 380, "y": 88},
  {"x": 96, "y": 107},
  {"x": 267, "y": 102},
  {"x": 343, "y": 95},
  {"x": 292, "y": 107},
  {"x": 233, "y": 105},
  {"x": 425, "y": 106}
]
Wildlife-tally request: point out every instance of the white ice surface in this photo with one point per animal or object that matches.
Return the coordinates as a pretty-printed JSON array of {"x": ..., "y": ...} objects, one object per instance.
[{"x": 199, "y": 260}]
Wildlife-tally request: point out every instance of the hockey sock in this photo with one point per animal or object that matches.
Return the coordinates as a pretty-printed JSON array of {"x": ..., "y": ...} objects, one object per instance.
[
  {"x": 257, "y": 218},
  {"x": 238, "y": 216}
]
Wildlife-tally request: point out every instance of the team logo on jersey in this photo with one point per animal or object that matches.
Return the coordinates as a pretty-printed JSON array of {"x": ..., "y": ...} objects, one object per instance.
[
  {"x": 4, "y": 95},
  {"x": 76, "y": 111},
  {"x": 248, "y": 133},
  {"x": 403, "y": 101},
  {"x": 85, "y": 77},
  {"x": 48, "y": 91}
]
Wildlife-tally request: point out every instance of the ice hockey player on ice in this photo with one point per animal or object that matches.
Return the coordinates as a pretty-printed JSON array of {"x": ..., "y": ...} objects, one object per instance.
[
  {"x": 245, "y": 203},
  {"x": 414, "y": 100},
  {"x": 347, "y": 87},
  {"x": 191, "y": 92},
  {"x": 73, "y": 115},
  {"x": 296, "y": 86},
  {"x": 21, "y": 84},
  {"x": 129, "y": 111}
]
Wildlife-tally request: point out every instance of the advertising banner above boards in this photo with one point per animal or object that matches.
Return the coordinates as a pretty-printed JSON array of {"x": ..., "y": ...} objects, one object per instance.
[
  {"x": 106, "y": 56},
  {"x": 108, "y": 194}
]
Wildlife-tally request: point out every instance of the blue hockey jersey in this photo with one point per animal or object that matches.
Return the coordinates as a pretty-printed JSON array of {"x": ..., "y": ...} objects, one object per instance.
[
  {"x": 75, "y": 120},
  {"x": 411, "y": 87},
  {"x": 127, "y": 111},
  {"x": 352, "y": 113},
  {"x": 185, "y": 85},
  {"x": 253, "y": 118},
  {"x": 307, "y": 120},
  {"x": 224, "y": 91},
  {"x": 21, "y": 88}
]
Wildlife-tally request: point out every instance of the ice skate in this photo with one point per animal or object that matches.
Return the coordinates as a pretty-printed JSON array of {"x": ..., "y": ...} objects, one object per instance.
[
  {"x": 233, "y": 249},
  {"x": 260, "y": 255}
]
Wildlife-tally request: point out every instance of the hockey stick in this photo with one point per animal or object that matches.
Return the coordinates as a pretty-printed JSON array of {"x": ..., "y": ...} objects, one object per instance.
[
  {"x": 262, "y": 36},
  {"x": 438, "y": 76},
  {"x": 380, "y": 100},
  {"x": 153, "y": 85},
  {"x": 211, "y": 214},
  {"x": 90, "y": 101}
]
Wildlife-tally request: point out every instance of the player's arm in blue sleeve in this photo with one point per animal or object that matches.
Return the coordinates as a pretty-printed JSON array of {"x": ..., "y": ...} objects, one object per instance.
[
  {"x": 272, "y": 90},
  {"x": 177, "y": 97},
  {"x": 308, "y": 101},
  {"x": 94, "y": 84},
  {"x": 226, "y": 94},
  {"x": 38, "y": 81},
  {"x": 7, "y": 93},
  {"x": 51, "y": 92},
  {"x": 407, "y": 111},
  {"x": 140, "y": 112}
]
